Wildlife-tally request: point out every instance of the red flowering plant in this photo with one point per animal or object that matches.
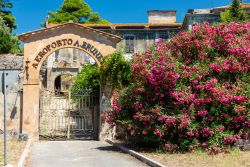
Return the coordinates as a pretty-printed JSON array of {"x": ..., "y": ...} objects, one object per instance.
[{"x": 192, "y": 92}]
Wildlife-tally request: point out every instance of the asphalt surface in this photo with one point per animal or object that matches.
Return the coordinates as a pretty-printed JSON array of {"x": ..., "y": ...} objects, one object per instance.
[{"x": 79, "y": 154}]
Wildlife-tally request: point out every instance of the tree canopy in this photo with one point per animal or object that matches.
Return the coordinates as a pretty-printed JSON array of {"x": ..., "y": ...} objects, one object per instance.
[
  {"x": 235, "y": 13},
  {"x": 9, "y": 43},
  {"x": 6, "y": 16},
  {"x": 77, "y": 11}
]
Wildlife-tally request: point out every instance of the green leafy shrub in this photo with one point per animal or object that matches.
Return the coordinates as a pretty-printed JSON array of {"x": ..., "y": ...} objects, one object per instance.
[
  {"x": 190, "y": 93},
  {"x": 88, "y": 78},
  {"x": 116, "y": 69}
]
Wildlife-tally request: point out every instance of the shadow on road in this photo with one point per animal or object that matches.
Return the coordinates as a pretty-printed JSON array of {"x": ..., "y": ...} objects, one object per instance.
[{"x": 109, "y": 148}]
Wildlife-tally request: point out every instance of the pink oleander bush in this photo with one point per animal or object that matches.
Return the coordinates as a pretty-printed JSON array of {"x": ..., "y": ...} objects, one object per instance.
[{"x": 192, "y": 92}]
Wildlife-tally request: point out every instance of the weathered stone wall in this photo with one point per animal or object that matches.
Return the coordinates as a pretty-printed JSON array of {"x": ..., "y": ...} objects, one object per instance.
[
  {"x": 105, "y": 104},
  {"x": 161, "y": 16},
  {"x": 10, "y": 61},
  {"x": 12, "y": 65},
  {"x": 64, "y": 61}
]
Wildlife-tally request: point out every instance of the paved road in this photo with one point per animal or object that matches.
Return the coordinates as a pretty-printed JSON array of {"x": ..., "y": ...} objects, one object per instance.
[{"x": 79, "y": 154}]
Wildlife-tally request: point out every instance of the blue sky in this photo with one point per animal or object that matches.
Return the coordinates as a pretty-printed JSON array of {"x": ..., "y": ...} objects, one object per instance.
[{"x": 30, "y": 13}]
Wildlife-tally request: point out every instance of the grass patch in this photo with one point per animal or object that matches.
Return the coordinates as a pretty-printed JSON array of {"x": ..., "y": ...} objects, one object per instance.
[
  {"x": 14, "y": 151},
  {"x": 236, "y": 158}
]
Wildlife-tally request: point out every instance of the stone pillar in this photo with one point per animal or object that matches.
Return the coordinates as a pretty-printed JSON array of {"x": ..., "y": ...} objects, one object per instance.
[
  {"x": 31, "y": 110},
  {"x": 106, "y": 94}
]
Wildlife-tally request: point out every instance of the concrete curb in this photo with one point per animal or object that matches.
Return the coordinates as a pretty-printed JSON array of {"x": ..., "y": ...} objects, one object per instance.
[
  {"x": 135, "y": 154},
  {"x": 25, "y": 153}
]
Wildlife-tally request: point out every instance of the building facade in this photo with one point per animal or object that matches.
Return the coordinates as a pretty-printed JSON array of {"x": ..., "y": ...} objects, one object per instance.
[
  {"x": 140, "y": 37},
  {"x": 210, "y": 15},
  {"x": 137, "y": 38}
]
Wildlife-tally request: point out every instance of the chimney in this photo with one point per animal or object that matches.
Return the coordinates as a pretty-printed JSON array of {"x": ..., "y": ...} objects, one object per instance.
[{"x": 161, "y": 16}]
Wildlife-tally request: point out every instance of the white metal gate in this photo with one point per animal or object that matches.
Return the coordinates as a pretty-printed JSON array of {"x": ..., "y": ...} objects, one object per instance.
[{"x": 65, "y": 116}]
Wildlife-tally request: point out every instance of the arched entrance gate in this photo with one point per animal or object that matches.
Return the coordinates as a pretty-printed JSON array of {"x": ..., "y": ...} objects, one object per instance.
[{"x": 38, "y": 45}]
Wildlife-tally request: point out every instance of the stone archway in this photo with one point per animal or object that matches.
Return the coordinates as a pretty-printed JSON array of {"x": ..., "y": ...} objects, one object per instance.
[
  {"x": 38, "y": 45},
  {"x": 61, "y": 82}
]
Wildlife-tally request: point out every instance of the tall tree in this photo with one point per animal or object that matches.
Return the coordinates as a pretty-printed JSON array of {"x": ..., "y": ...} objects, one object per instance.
[
  {"x": 6, "y": 15},
  {"x": 9, "y": 43},
  {"x": 235, "y": 13},
  {"x": 77, "y": 11}
]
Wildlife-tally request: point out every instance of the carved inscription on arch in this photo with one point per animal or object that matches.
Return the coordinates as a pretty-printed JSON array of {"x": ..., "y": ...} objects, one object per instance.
[{"x": 67, "y": 43}]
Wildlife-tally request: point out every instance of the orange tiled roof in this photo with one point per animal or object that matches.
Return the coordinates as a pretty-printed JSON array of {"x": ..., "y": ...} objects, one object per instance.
[{"x": 125, "y": 25}]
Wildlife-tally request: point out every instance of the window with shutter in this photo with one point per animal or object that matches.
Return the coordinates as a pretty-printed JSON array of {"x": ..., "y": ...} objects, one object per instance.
[{"x": 129, "y": 43}]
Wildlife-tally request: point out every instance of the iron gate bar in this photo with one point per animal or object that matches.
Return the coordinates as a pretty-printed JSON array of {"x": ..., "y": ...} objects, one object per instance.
[{"x": 67, "y": 116}]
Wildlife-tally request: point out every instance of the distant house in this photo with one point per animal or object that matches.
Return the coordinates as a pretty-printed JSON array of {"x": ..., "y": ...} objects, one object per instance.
[
  {"x": 210, "y": 15},
  {"x": 139, "y": 37}
]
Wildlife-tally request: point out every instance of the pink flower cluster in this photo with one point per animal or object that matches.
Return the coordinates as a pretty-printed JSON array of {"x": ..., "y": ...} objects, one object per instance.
[
  {"x": 230, "y": 139},
  {"x": 202, "y": 113},
  {"x": 189, "y": 91}
]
